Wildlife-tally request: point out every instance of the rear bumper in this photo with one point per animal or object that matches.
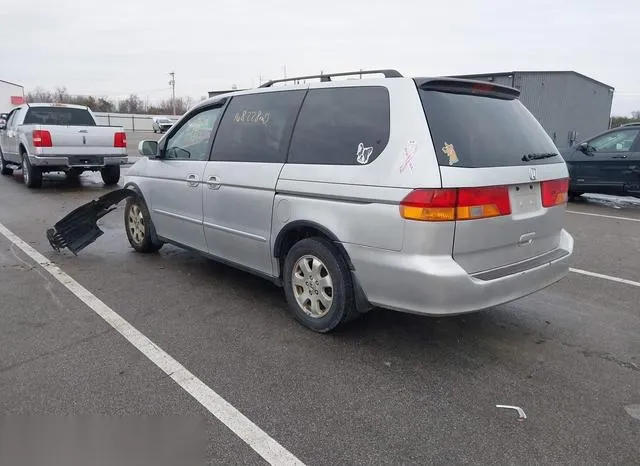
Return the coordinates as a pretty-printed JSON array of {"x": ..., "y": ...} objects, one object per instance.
[
  {"x": 437, "y": 285},
  {"x": 77, "y": 161}
]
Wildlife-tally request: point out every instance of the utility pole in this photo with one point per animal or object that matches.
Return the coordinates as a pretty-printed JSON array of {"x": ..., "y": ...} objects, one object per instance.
[{"x": 172, "y": 83}]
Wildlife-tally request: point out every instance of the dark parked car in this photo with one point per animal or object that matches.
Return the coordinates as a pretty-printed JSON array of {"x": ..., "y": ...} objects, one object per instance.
[{"x": 608, "y": 163}]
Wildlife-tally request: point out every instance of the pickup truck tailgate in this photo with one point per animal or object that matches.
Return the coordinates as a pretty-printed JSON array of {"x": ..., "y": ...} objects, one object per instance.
[{"x": 80, "y": 140}]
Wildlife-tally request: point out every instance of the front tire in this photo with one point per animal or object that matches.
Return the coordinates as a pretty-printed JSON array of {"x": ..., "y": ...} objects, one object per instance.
[
  {"x": 110, "y": 174},
  {"x": 6, "y": 171},
  {"x": 318, "y": 285},
  {"x": 31, "y": 175},
  {"x": 138, "y": 225}
]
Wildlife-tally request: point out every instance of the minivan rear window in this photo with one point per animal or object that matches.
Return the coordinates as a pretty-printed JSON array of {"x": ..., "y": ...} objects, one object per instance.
[
  {"x": 474, "y": 131},
  {"x": 62, "y": 116}
]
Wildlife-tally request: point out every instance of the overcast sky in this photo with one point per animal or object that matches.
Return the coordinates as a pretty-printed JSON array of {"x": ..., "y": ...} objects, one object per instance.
[{"x": 118, "y": 47}]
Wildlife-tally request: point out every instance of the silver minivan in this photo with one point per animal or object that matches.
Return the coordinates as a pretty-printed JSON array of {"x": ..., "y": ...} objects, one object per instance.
[{"x": 433, "y": 196}]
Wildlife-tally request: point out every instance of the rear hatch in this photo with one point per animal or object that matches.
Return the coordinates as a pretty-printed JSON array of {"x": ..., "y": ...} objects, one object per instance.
[{"x": 507, "y": 175}]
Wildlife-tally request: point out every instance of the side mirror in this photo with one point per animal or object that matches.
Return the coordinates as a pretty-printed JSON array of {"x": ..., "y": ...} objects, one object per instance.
[
  {"x": 148, "y": 148},
  {"x": 3, "y": 125},
  {"x": 585, "y": 149}
]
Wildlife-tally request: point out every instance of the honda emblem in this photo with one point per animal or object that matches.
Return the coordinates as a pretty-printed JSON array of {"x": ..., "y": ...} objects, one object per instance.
[{"x": 532, "y": 174}]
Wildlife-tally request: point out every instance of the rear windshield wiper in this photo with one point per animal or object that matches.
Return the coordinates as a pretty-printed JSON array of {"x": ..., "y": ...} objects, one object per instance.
[{"x": 539, "y": 156}]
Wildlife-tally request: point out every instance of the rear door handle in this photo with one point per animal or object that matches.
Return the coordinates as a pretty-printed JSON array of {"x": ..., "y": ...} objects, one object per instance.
[
  {"x": 619, "y": 156},
  {"x": 214, "y": 182},
  {"x": 192, "y": 180}
]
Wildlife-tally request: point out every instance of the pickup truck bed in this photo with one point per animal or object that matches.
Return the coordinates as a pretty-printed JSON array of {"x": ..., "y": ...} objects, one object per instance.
[{"x": 41, "y": 138}]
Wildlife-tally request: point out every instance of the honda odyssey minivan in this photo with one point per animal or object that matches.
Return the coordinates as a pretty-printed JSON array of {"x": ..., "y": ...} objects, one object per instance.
[{"x": 432, "y": 196}]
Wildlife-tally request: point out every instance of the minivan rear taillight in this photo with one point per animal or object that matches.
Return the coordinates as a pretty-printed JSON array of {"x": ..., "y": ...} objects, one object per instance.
[
  {"x": 554, "y": 192},
  {"x": 441, "y": 205},
  {"x": 120, "y": 140},
  {"x": 41, "y": 138}
]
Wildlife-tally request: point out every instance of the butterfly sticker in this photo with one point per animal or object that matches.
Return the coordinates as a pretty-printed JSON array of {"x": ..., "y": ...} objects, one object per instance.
[{"x": 363, "y": 154}]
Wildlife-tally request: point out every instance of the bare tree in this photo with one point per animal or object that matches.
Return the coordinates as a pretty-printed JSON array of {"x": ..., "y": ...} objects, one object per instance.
[
  {"x": 61, "y": 95},
  {"x": 40, "y": 95},
  {"x": 104, "y": 105},
  {"x": 133, "y": 104}
]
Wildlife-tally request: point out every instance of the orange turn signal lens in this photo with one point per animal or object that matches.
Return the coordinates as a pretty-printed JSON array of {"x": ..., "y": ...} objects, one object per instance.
[
  {"x": 555, "y": 192},
  {"x": 434, "y": 205},
  {"x": 439, "y": 205}
]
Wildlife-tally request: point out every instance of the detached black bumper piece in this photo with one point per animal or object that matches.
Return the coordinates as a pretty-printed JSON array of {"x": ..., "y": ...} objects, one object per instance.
[{"x": 79, "y": 228}]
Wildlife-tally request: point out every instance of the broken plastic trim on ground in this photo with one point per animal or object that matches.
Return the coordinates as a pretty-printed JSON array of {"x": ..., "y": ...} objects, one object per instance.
[{"x": 79, "y": 228}]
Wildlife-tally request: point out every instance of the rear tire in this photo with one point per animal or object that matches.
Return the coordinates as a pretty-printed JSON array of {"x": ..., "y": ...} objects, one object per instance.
[
  {"x": 110, "y": 174},
  {"x": 318, "y": 285},
  {"x": 139, "y": 227},
  {"x": 574, "y": 195},
  {"x": 31, "y": 175},
  {"x": 6, "y": 171}
]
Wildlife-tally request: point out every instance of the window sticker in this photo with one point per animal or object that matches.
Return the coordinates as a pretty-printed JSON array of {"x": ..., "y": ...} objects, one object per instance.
[
  {"x": 252, "y": 116},
  {"x": 450, "y": 152},
  {"x": 363, "y": 154},
  {"x": 409, "y": 152}
]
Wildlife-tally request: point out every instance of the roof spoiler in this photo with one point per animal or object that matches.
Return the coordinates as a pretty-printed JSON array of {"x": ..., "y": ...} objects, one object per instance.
[{"x": 467, "y": 86}]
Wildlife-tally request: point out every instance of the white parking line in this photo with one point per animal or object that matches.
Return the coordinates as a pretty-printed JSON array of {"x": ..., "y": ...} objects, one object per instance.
[
  {"x": 242, "y": 426},
  {"x": 605, "y": 277},
  {"x": 604, "y": 216}
]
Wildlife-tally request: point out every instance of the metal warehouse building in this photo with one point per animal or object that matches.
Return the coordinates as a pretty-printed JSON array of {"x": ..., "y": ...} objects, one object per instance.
[
  {"x": 569, "y": 105},
  {"x": 10, "y": 95}
]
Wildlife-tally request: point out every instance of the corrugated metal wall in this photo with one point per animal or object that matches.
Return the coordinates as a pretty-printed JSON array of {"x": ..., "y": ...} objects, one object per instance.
[
  {"x": 569, "y": 107},
  {"x": 497, "y": 79}
]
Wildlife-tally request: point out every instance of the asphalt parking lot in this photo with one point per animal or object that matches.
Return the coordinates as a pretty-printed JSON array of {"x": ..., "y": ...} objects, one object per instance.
[{"x": 389, "y": 388}]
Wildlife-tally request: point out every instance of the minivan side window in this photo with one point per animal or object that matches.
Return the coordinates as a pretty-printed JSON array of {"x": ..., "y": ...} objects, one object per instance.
[
  {"x": 341, "y": 126},
  {"x": 615, "y": 141},
  {"x": 257, "y": 127},
  {"x": 191, "y": 140}
]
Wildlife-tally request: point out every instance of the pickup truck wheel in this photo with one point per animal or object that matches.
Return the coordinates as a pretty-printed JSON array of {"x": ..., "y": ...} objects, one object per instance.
[
  {"x": 3, "y": 166},
  {"x": 318, "y": 285},
  {"x": 110, "y": 174},
  {"x": 31, "y": 175},
  {"x": 138, "y": 225}
]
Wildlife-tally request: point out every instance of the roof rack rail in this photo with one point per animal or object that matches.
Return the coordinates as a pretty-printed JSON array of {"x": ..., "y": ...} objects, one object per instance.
[
  {"x": 633, "y": 123},
  {"x": 327, "y": 77}
]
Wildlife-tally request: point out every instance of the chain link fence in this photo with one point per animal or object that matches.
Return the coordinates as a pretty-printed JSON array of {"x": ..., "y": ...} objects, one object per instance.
[{"x": 130, "y": 122}]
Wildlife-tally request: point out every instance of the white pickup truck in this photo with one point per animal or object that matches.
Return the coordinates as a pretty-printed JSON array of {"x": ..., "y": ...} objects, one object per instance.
[{"x": 41, "y": 138}]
